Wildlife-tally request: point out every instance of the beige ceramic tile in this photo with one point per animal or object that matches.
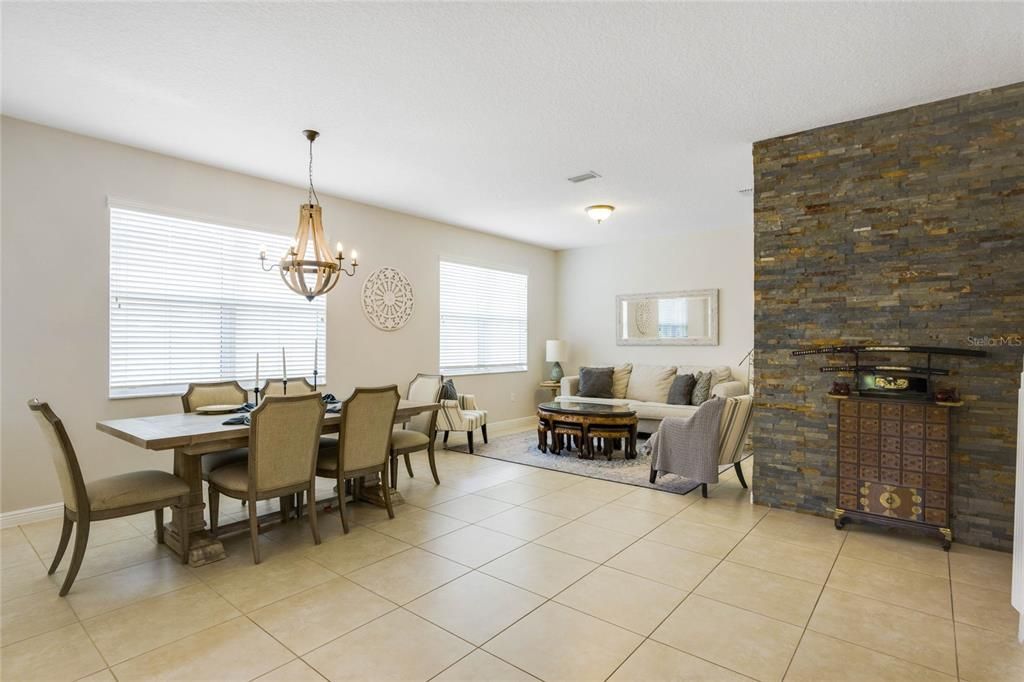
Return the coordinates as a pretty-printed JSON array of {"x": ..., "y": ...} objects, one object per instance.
[
  {"x": 824, "y": 658},
  {"x": 238, "y": 552},
  {"x": 605, "y": 491},
  {"x": 261, "y": 584},
  {"x": 738, "y": 516},
  {"x": 805, "y": 530},
  {"x": 475, "y": 607},
  {"x": 17, "y": 553},
  {"x": 407, "y": 575},
  {"x": 62, "y": 654},
  {"x": 560, "y": 503},
  {"x": 118, "y": 589},
  {"x": 539, "y": 569},
  {"x": 514, "y": 492},
  {"x": 982, "y": 567},
  {"x": 12, "y": 537},
  {"x": 587, "y": 541},
  {"x": 743, "y": 641},
  {"x": 24, "y": 579},
  {"x": 427, "y": 495},
  {"x": 678, "y": 568},
  {"x": 523, "y": 523},
  {"x": 655, "y": 662},
  {"x": 114, "y": 556},
  {"x": 235, "y": 650},
  {"x": 624, "y": 519},
  {"x": 769, "y": 594},
  {"x": 474, "y": 481},
  {"x": 45, "y": 535},
  {"x": 480, "y": 665},
  {"x": 696, "y": 537},
  {"x": 977, "y": 606},
  {"x": 545, "y": 478},
  {"x": 367, "y": 514},
  {"x": 537, "y": 644},
  {"x": 312, "y": 618},
  {"x": 361, "y": 547},
  {"x": 893, "y": 585},
  {"x": 656, "y": 501},
  {"x": 296, "y": 671},
  {"x": 397, "y": 646},
  {"x": 781, "y": 557},
  {"x": 473, "y": 546},
  {"x": 471, "y": 508},
  {"x": 909, "y": 552},
  {"x": 417, "y": 526},
  {"x": 101, "y": 676},
  {"x": 298, "y": 535},
  {"x": 151, "y": 623},
  {"x": 626, "y": 600},
  {"x": 33, "y": 615},
  {"x": 911, "y": 635},
  {"x": 987, "y": 656}
]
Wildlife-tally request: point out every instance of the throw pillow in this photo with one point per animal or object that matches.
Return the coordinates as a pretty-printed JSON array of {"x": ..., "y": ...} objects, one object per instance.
[
  {"x": 702, "y": 388},
  {"x": 448, "y": 391},
  {"x": 620, "y": 380},
  {"x": 595, "y": 382},
  {"x": 682, "y": 390},
  {"x": 650, "y": 383}
]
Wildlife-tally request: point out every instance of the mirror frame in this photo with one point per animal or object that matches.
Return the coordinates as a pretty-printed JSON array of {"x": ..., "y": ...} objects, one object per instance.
[{"x": 710, "y": 340}]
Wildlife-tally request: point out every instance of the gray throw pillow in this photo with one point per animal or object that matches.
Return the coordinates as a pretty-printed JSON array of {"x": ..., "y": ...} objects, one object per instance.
[
  {"x": 681, "y": 391},
  {"x": 595, "y": 382},
  {"x": 448, "y": 391},
  {"x": 702, "y": 389}
]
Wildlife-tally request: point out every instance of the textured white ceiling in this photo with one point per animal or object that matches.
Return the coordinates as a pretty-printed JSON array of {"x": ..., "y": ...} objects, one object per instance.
[{"x": 475, "y": 114}]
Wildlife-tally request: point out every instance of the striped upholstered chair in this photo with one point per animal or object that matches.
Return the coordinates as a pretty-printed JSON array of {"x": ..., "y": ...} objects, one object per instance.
[{"x": 462, "y": 415}]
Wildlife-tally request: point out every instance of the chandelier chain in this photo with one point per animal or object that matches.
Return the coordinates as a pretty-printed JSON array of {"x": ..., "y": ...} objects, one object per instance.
[{"x": 312, "y": 190}]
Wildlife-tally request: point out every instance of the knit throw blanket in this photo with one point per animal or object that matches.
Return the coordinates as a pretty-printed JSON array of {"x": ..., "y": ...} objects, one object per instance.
[{"x": 688, "y": 446}]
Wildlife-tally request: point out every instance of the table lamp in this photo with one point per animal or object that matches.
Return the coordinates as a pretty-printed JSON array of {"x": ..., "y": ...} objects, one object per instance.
[{"x": 556, "y": 351}]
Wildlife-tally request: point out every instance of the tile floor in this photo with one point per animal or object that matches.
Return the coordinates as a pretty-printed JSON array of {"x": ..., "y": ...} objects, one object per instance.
[{"x": 505, "y": 572}]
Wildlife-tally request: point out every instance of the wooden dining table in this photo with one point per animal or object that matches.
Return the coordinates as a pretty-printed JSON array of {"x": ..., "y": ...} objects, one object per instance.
[{"x": 191, "y": 436}]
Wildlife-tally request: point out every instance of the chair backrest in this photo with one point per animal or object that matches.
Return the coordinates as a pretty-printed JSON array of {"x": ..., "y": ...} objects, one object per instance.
[
  {"x": 284, "y": 437},
  {"x": 424, "y": 388},
  {"x": 300, "y": 386},
  {"x": 735, "y": 425},
  {"x": 367, "y": 417},
  {"x": 65, "y": 461},
  {"x": 217, "y": 393}
]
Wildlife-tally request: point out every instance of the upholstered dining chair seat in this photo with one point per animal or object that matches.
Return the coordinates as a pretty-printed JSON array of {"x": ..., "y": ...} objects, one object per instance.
[
  {"x": 137, "y": 487},
  {"x": 403, "y": 438},
  {"x": 327, "y": 461},
  {"x": 233, "y": 477}
]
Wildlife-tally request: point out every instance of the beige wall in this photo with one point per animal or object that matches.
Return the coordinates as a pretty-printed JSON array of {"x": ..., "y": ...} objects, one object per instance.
[
  {"x": 590, "y": 278},
  {"x": 55, "y": 235}
]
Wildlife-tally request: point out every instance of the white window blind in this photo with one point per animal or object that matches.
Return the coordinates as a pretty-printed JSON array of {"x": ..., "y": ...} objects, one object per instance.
[
  {"x": 190, "y": 302},
  {"x": 483, "y": 320}
]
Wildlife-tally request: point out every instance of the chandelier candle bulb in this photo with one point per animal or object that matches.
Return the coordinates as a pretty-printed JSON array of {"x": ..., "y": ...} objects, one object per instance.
[
  {"x": 341, "y": 255},
  {"x": 355, "y": 257}
]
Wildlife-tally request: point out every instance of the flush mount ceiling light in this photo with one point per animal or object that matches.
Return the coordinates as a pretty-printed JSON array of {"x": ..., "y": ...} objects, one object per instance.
[
  {"x": 599, "y": 212},
  {"x": 310, "y": 268}
]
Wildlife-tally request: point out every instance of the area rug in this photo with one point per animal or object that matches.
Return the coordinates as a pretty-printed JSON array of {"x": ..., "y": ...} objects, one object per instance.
[{"x": 521, "y": 448}]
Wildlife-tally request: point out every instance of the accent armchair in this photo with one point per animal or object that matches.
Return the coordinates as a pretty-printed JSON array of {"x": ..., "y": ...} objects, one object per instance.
[{"x": 462, "y": 415}]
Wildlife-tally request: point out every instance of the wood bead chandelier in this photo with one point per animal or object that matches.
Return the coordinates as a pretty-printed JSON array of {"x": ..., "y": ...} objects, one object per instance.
[{"x": 309, "y": 267}]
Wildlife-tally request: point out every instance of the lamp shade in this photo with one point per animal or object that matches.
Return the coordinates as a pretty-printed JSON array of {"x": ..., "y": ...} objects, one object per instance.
[{"x": 556, "y": 350}]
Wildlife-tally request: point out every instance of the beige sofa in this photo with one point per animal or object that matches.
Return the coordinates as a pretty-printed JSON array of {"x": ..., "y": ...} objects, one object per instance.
[{"x": 644, "y": 388}]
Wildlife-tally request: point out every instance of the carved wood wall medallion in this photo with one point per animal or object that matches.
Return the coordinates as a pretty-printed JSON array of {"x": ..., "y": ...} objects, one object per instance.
[{"x": 387, "y": 299}]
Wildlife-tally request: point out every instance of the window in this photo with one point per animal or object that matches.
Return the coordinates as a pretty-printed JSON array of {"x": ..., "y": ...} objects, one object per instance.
[
  {"x": 189, "y": 302},
  {"x": 483, "y": 320}
]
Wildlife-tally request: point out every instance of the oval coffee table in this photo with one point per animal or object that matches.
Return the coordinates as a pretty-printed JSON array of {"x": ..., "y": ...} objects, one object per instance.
[{"x": 586, "y": 421}]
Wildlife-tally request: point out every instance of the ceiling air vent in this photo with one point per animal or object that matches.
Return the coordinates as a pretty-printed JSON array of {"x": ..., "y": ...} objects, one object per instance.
[{"x": 583, "y": 177}]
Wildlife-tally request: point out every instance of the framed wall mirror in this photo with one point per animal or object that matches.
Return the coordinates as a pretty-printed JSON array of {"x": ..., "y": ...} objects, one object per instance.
[{"x": 671, "y": 318}]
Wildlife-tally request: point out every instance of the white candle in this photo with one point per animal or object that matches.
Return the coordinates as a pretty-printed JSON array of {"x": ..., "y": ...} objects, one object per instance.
[
  {"x": 355, "y": 257},
  {"x": 284, "y": 365},
  {"x": 257, "y": 370},
  {"x": 316, "y": 351}
]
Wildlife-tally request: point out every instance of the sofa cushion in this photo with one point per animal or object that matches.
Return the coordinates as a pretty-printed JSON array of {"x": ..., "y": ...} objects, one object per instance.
[
  {"x": 719, "y": 373},
  {"x": 655, "y": 411},
  {"x": 595, "y": 382},
  {"x": 650, "y": 383},
  {"x": 620, "y": 379},
  {"x": 702, "y": 389},
  {"x": 681, "y": 390},
  {"x": 598, "y": 401}
]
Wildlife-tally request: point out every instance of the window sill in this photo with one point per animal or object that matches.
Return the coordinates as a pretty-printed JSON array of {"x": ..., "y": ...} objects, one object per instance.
[{"x": 477, "y": 371}]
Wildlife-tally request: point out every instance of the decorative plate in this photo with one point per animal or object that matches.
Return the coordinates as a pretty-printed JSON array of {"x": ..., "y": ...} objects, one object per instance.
[
  {"x": 217, "y": 409},
  {"x": 387, "y": 299}
]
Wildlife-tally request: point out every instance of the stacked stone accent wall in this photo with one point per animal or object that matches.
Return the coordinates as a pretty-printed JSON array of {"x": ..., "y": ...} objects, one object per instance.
[{"x": 941, "y": 188}]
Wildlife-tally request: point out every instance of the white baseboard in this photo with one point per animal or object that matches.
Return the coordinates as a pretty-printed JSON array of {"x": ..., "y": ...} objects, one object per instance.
[
  {"x": 19, "y": 517},
  {"x": 499, "y": 428}
]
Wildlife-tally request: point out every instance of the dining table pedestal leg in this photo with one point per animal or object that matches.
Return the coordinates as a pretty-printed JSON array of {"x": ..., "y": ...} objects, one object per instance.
[
  {"x": 203, "y": 547},
  {"x": 370, "y": 491}
]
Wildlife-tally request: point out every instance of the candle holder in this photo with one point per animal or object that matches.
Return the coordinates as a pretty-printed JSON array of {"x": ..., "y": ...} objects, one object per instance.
[{"x": 256, "y": 391}]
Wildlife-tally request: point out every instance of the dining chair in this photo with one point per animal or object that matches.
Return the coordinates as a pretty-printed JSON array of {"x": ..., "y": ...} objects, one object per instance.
[
  {"x": 217, "y": 393},
  {"x": 299, "y": 386},
  {"x": 284, "y": 433},
  {"x": 105, "y": 498},
  {"x": 419, "y": 432},
  {"x": 364, "y": 443}
]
